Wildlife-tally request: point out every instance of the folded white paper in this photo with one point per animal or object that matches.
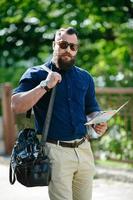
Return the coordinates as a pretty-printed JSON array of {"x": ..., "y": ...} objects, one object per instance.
[
  {"x": 104, "y": 116},
  {"x": 98, "y": 118}
]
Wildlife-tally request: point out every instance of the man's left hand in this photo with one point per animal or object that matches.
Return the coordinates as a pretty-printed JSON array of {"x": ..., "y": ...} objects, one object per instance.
[{"x": 100, "y": 128}]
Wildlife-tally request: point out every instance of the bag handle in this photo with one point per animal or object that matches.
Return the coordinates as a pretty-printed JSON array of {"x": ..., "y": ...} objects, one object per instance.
[
  {"x": 49, "y": 111},
  {"x": 12, "y": 177},
  {"x": 48, "y": 117}
]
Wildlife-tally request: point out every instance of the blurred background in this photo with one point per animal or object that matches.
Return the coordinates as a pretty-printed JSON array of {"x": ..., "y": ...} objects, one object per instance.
[{"x": 106, "y": 51}]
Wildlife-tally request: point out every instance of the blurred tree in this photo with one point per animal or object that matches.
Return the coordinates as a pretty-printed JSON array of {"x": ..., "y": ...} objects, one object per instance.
[{"x": 105, "y": 31}]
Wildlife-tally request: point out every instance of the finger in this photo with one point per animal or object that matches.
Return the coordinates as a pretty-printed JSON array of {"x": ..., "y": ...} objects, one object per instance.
[
  {"x": 100, "y": 130},
  {"x": 58, "y": 78},
  {"x": 101, "y": 126}
]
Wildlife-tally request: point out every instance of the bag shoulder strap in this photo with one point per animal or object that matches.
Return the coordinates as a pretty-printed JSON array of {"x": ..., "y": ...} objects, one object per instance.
[
  {"x": 49, "y": 111},
  {"x": 48, "y": 117},
  {"x": 45, "y": 68}
]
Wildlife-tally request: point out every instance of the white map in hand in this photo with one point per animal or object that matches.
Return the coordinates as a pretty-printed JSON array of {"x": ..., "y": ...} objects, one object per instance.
[
  {"x": 104, "y": 116},
  {"x": 100, "y": 117}
]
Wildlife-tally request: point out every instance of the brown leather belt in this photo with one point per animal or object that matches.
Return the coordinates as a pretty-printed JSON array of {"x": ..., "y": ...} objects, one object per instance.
[{"x": 67, "y": 144}]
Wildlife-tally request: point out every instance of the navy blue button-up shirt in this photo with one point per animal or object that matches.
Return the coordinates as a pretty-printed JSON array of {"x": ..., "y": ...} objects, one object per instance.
[{"x": 75, "y": 98}]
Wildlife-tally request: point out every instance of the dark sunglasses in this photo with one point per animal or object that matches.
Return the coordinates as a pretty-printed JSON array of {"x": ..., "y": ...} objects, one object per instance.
[{"x": 65, "y": 44}]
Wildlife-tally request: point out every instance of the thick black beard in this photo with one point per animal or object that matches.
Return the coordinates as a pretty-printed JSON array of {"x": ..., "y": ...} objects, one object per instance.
[{"x": 65, "y": 65}]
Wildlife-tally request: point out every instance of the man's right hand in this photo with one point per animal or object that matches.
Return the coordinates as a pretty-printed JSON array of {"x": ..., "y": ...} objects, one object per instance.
[{"x": 52, "y": 79}]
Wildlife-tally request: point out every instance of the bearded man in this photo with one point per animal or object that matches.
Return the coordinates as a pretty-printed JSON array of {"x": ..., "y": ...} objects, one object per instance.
[{"x": 68, "y": 146}]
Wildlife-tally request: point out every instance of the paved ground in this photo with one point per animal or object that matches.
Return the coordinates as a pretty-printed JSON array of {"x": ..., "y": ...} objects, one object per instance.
[
  {"x": 104, "y": 189},
  {"x": 112, "y": 190}
]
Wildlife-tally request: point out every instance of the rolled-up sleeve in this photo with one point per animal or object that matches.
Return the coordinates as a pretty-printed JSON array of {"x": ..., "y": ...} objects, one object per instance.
[{"x": 30, "y": 79}]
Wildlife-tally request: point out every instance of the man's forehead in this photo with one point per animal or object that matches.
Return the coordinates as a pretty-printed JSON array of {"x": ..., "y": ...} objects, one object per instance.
[{"x": 63, "y": 35}]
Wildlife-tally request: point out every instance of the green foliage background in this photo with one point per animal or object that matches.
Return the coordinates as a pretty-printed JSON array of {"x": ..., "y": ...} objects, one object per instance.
[{"x": 105, "y": 30}]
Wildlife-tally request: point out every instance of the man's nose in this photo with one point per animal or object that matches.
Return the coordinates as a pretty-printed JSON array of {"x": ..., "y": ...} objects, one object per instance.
[{"x": 68, "y": 48}]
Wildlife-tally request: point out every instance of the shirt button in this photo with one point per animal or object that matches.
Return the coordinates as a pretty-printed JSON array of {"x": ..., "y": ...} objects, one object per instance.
[
  {"x": 68, "y": 86},
  {"x": 69, "y": 99}
]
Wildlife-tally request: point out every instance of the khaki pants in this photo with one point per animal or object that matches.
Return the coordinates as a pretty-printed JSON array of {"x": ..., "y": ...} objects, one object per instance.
[{"x": 72, "y": 172}]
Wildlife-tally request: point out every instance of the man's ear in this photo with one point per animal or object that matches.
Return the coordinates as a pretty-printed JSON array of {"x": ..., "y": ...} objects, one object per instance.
[{"x": 53, "y": 45}]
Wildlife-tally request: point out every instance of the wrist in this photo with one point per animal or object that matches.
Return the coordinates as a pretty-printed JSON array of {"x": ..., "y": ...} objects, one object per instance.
[{"x": 44, "y": 85}]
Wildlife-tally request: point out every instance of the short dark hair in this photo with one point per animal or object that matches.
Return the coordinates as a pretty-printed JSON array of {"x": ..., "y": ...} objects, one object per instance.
[{"x": 69, "y": 31}]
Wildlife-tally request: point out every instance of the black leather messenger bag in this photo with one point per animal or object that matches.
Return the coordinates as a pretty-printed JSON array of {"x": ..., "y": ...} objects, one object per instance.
[{"x": 29, "y": 163}]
